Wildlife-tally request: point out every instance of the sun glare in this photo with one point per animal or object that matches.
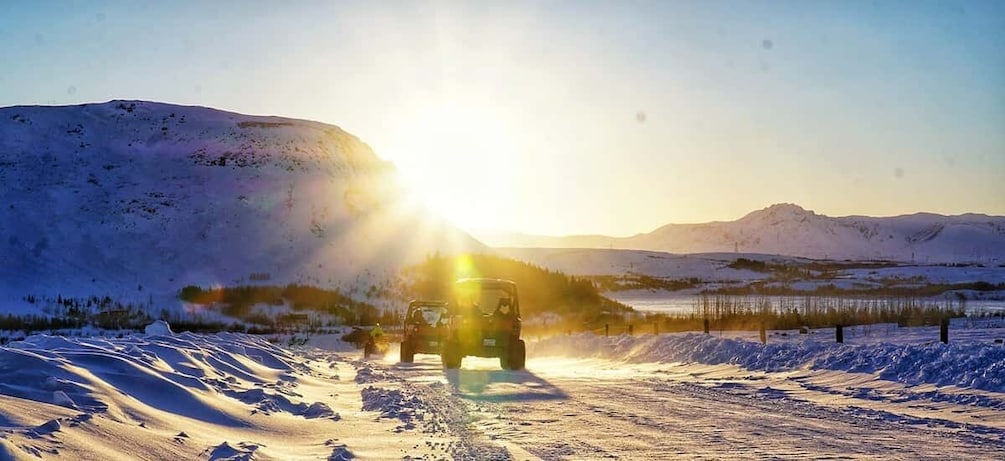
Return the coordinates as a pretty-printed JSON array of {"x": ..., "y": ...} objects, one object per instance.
[
  {"x": 460, "y": 160},
  {"x": 464, "y": 267}
]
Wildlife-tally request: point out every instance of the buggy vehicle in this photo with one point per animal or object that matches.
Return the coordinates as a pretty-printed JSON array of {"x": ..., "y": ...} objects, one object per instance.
[
  {"x": 376, "y": 342},
  {"x": 484, "y": 322},
  {"x": 375, "y": 346},
  {"x": 424, "y": 329}
]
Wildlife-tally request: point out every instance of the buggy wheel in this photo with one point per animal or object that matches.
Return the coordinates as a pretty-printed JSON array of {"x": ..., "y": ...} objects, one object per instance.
[
  {"x": 407, "y": 354},
  {"x": 451, "y": 357},
  {"x": 517, "y": 355},
  {"x": 504, "y": 361}
]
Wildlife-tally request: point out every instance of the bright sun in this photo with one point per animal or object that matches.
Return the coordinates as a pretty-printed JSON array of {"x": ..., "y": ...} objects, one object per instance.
[{"x": 461, "y": 162}]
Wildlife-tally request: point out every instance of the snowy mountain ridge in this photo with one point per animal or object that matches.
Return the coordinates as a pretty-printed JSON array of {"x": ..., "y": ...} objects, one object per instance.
[
  {"x": 128, "y": 198},
  {"x": 790, "y": 230}
]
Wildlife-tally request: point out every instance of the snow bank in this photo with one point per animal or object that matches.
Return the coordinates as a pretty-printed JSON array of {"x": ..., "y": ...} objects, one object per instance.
[
  {"x": 175, "y": 373},
  {"x": 974, "y": 365},
  {"x": 185, "y": 396}
]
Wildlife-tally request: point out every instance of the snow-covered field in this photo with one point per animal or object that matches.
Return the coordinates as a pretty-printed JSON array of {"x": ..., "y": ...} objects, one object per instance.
[
  {"x": 885, "y": 393},
  {"x": 660, "y": 301},
  {"x": 712, "y": 271}
]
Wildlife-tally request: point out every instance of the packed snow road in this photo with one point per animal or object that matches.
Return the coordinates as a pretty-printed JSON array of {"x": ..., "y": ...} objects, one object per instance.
[{"x": 567, "y": 408}]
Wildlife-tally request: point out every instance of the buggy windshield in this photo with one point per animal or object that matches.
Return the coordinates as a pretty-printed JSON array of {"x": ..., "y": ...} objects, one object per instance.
[
  {"x": 427, "y": 315},
  {"x": 487, "y": 297}
]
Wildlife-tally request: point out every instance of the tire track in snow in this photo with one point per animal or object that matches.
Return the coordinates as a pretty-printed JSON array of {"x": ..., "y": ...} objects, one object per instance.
[
  {"x": 441, "y": 413},
  {"x": 646, "y": 417}
]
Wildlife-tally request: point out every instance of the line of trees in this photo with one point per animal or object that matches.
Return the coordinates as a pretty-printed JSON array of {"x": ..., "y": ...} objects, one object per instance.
[
  {"x": 130, "y": 318},
  {"x": 642, "y": 282},
  {"x": 237, "y": 302},
  {"x": 927, "y": 290},
  {"x": 750, "y": 313}
]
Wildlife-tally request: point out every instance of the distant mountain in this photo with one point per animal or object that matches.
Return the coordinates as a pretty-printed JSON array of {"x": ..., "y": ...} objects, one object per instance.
[
  {"x": 503, "y": 239},
  {"x": 127, "y": 198},
  {"x": 790, "y": 230}
]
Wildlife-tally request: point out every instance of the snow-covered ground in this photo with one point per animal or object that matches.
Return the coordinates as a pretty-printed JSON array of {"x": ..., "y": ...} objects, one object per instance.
[
  {"x": 885, "y": 393},
  {"x": 188, "y": 396}
]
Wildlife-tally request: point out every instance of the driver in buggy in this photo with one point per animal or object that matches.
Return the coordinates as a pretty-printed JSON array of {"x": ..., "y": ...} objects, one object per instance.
[
  {"x": 503, "y": 309},
  {"x": 375, "y": 342}
]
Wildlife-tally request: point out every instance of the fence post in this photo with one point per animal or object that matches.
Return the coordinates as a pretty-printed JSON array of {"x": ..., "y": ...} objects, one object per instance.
[
  {"x": 944, "y": 331},
  {"x": 839, "y": 333},
  {"x": 764, "y": 335},
  {"x": 607, "y": 330},
  {"x": 706, "y": 326},
  {"x": 630, "y": 329}
]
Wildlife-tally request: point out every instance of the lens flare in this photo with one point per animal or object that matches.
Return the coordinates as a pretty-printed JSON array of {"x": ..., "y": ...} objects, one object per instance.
[{"x": 464, "y": 267}]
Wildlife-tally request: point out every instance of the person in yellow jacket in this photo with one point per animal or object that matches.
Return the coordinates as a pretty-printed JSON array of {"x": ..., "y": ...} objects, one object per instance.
[
  {"x": 376, "y": 332},
  {"x": 373, "y": 344}
]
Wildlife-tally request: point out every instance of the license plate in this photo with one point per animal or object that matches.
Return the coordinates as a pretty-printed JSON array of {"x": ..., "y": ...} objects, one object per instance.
[
  {"x": 434, "y": 343},
  {"x": 488, "y": 342}
]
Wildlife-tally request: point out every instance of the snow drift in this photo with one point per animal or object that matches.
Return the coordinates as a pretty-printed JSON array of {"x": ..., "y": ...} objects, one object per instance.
[
  {"x": 186, "y": 396},
  {"x": 178, "y": 373},
  {"x": 966, "y": 364}
]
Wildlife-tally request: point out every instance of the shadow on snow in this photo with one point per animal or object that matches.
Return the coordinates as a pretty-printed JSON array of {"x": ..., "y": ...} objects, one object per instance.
[{"x": 502, "y": 385}]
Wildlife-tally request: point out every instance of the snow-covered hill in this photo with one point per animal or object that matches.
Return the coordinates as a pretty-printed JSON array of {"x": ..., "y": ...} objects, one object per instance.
[
  {"x": 709, "y": 267},
  {"x": 787, "y": 229},
  {"x": 132, "y": 198}
]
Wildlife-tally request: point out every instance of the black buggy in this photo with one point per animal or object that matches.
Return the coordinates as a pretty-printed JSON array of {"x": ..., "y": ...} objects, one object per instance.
[{"x": 484, "y": 322}]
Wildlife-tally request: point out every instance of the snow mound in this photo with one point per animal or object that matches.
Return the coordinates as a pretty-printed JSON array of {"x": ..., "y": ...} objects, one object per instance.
[
  {"x": 179, "y": 373},
  {"x": 158, "y": 328},
  {"x": 319, "y": 410},
  {"x": 48, "y": 427},
  {"x": 972, "y": 365},
  {"x": 366, "y": 374},
  {"x": 60, "y": 398},
  {"x": 340, "y": 452},
  {"x": 393, "y": 403},
  {"x": 7, "y": 450},
  {"x": 187, "y": 396},
  {"x": 225, "y": 452}
]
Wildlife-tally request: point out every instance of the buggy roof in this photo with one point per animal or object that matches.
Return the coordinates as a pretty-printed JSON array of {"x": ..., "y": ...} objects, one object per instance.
[
  {"x": 422, "y": 303},
  {"x": 487, "y": 283}
]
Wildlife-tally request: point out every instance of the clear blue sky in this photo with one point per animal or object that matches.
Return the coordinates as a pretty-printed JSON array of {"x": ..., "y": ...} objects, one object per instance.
[{"x": 576, "y": 117}]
